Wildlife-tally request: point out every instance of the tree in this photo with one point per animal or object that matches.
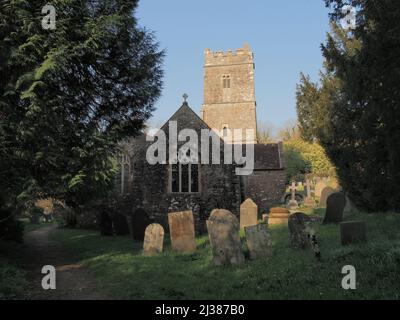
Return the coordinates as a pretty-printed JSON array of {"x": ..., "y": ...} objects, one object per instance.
[
  {"x": 313, "y": 99},
  {"x": 69, "y": 95},
  {"x": 290, "y": 130},
  {"x": 265, "y": 132},
  {"x": 361, "y": 132}
]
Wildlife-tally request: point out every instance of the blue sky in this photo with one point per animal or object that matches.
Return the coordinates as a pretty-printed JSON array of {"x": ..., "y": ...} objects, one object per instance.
[{"x": 285, "y": 37}]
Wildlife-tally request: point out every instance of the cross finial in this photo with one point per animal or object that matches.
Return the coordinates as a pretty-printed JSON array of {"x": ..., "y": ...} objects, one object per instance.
[{"x": 185, "y": 97}]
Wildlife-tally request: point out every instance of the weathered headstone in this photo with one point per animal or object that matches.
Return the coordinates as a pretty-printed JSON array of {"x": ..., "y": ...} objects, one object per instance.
[
  {"x": 302, "y": 234},
  {"x": 223, "y": 230},
  {"x": 350, "y": 206},
  {"x": 293, "y": 204},
  {"x": 319, "y": 186},
  {"x": 309, "y": 201},
  {"x": 106, "y": 228},
  {"x": 181, "y": 229},
  {"x": 248, "y": 214},
  {"x": 258, "y": 241},
  {"x": 353, "y": 232},
  {"x": 278, "y": 216},
  {"x": 326, "y": 192},
  {"x": 334, "y": 208},
  {"x": 140, "y": 220},
  {"x": 120, "y": 223},
  {"x": 299, "y": 237},
  {"x": 153, "y": 240},
  {"x": 265, "y": 218}
]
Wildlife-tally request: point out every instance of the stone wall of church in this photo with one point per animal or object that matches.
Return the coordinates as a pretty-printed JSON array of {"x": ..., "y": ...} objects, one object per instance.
[
  {"x": 150, "y": 184},
  {"x": 266, "y": 188},
  {"x": 219, "y": 188}
]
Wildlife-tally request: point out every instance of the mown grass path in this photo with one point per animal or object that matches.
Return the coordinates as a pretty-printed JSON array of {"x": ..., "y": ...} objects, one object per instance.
[{"x": 73, "y": 281}]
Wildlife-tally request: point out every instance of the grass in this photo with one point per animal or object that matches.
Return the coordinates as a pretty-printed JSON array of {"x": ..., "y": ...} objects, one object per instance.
[
  {"x": 12, "y": 276},
  {"x": 120, "y": 268}
]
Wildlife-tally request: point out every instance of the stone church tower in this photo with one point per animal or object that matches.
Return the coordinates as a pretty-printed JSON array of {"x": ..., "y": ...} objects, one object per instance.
[{"x": 229, "y": 98}]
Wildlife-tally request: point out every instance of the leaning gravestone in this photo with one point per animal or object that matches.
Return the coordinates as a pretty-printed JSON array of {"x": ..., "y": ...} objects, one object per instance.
[
  {"x": 181, "y": 229},
  {"x": 326, "y": 192},
  {"x": 258, "y": 241},
  {"x": 353, "y": 232},
  {"x": 298, "y": 223},
  {"x": 302, "y": 235},
  {"x": 153, "y": 240},
  {"x": 140, "y": 220},
  {"x": 334, "y": 208},
  {"x": 223, "y": 230},
  {"x": 248, "y": 214}
]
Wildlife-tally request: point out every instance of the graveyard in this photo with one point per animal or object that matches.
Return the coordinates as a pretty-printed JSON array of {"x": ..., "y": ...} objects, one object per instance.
[
  {"x": 122, "y": 271},
  {"x": 144, "y": 156}
]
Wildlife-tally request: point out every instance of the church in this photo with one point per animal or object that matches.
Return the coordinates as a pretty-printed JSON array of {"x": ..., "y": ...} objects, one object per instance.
[{"x": 229, "y": 104}]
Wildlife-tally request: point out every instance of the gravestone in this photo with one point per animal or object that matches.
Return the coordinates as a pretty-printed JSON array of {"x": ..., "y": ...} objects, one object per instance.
[
  {"x": 353, "y": 232},
  {"x": 299, "y": 236},
  {"x": 265, "y": 218},
  {"x": 309, "y": 201},
  {"x": 278, "y": 216},
  {"x": 302, "y": 234},
  {"x": 181, "y": 229},
  {"x": 153, "y": 240},
  {"x": 326, "y": 192},
  {"x": 350, "y": 206},
  {"x": 258, "y": 241},
  {"x": 334, "y": 208},
  {"x": 319, "y": 186},
  {"x": 248, "y": 214},
  {"x": 106, "y": 225},
  {"x": 140, "y": 220},
  {"x": 293, "y": 204},
  {"x": 120, "y": 223},
  {"x": 223, "y": 231}
]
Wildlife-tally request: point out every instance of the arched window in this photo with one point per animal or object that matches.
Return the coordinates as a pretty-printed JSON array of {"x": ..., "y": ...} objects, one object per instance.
[
  {"x": 125, "y": 172},
  {"x": 226, "y": 81},
  {"x": 225, "y": 131},
  {"x": 184, "y": 177}
]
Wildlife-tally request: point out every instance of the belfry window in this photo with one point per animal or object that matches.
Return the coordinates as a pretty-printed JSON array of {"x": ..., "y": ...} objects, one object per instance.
[
  {"x": 225, "y": 131},
  {"x": 226, "y": 81}
]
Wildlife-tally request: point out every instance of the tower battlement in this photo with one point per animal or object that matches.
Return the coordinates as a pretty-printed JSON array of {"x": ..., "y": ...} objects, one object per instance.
[{"x": 238, "y": 56}]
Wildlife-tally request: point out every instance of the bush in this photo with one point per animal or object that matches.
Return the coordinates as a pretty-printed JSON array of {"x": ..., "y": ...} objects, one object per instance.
[
  {"x": 12, "y": 281},
  {"x": 10, "y": 228},
  {"x": 304, "y": 157},
  {"x": 34, "y": 214}
]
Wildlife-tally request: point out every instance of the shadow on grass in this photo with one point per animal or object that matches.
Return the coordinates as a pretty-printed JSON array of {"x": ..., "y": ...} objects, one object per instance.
[{"x": 289, "y": 274}]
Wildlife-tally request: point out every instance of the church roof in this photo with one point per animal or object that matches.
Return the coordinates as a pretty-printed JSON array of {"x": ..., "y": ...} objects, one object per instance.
[{"x": 183, "y": 112}]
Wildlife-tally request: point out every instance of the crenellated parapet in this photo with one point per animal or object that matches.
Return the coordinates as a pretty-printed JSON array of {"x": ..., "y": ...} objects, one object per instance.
[{"x": 240, "y": 56}]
